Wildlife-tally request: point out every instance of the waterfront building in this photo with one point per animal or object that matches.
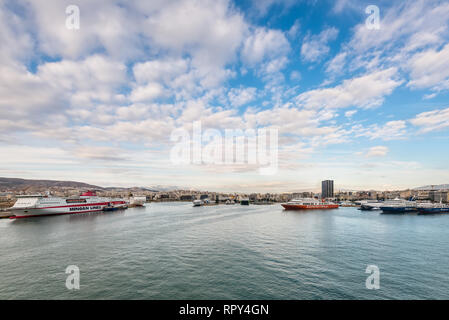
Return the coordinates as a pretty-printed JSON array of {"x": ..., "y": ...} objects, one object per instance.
[
  {"x": 423, "y": 195},
  {"x": 327, "y": 189},
  {"x": 254, "y": 197},
  {"x": 406, "y": 194},
  {"x": 438, "y": 196},
  {"x": 205, "y": 196},
  {"x": 296, "y": 195}
]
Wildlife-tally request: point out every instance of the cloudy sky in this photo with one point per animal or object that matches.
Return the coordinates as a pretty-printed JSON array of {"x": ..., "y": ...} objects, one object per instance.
[{"x": 366, "y": 107}]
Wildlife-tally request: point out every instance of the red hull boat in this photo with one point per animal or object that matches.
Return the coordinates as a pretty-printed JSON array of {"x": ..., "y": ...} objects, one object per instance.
[{"x": 307, "y": 204}]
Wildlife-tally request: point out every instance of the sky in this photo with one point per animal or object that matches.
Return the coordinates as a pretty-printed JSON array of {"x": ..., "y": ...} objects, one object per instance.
[{"x": 100, "y": 97}]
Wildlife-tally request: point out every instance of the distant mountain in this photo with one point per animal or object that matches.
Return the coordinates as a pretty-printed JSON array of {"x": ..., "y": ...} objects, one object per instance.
[
  {"x": 16, "y": 183},
  {"x": 22, "y": 184},
  {"x": 433, "y": 187},
  {"x": 136, "y": 189},
  {"x": 166, "y": 188}
]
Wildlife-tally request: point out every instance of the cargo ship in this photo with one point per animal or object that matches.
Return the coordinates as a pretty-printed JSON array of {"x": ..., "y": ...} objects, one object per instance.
[
  {"x": 45, "y": 205},
  {"x": 306, "y": 204}
]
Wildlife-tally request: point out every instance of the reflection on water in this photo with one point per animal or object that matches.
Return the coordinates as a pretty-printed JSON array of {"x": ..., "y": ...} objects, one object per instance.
[{"x": 176, "y": 251}]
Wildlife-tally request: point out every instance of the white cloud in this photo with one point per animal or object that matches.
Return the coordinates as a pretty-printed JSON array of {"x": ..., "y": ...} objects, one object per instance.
[
  {"x": 336, "y": 65},
  {"x": 315, "y": 47},
  {"x": 17, "y": 44},
  {"x": 389, "y": 131},
  {"x": 432, "y": 120},
  {"x": 160, "y": 70},
  {"x": 210, "y": 31},
  {"x": 294, "y": 29},
  {"x": 264, "y": 44},
  {"x": 365, "y": 91},
  {"x": 406, "y": 30},
  {"x": 100, "y": 153},
  {"x": 340, "y": 5},
  {"x": 350, "y": 113},
  {"x": 430, "y": 69},
  {"x": 28, "y": 155},
  {"x": 96, "y": 77},
  {"x": 295, "y": 75},
  {"x": 304, "y": 123},
  {"x": 148, "y": 92},
  {"x": 401, "y": 25},
  {"x": 23, "y": 94},
  {"x": 262, "y": 6},
  {"x": 379, "y": 151},
  {"x": 101, "y": 28},
  {"x": 241, "y": 96}
]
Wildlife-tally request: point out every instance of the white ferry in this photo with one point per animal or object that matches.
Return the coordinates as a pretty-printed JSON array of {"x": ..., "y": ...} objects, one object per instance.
[{"x": 40, "y": 205}]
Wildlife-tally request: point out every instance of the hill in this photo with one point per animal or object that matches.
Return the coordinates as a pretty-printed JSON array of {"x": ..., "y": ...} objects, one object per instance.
[
  {"x": 34, "y": 185},
  {"x": 433, "y": 187},
  {"x": 17, "y": 183}
]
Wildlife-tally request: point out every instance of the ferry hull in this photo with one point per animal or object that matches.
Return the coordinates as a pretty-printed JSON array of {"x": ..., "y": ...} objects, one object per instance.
[
  {"x": 368, "y": 208},
  {"x": 433, "y": 210},
  {"x": 398, "y": 210},
  {"x": 308, "y": 207},
  {"x": 37, "y": 212}
]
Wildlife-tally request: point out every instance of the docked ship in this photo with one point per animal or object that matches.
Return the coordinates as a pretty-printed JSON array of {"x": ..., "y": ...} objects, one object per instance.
[
  {"x": 370, "y": 205},
  {"x": 399, "y": 206},
  {"x": 198, "y": 203},
  {"x": 137, "y": 201},
  {"x": 433, "y": 208},
  {"x": 347, "y": 204},
  {"x": 308, "y": 203},
  {"x": 46, "y": 205},
  {"x": 116, "y": 205}
]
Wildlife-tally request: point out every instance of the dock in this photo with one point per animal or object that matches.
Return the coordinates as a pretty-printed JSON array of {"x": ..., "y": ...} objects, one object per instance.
[{"x": 5, "y": 214}]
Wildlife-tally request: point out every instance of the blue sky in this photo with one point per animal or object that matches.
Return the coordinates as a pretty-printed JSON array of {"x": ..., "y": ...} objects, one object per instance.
[{"x": 366, "y": 107}]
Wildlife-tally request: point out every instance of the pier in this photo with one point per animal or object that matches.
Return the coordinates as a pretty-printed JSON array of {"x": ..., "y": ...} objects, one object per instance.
[{"x": 5, "y": 214}]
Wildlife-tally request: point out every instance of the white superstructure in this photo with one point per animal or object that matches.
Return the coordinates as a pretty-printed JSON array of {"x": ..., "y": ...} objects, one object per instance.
[
  {"x": 137, "y": 201},
  {"x": 197, "y": 203}
]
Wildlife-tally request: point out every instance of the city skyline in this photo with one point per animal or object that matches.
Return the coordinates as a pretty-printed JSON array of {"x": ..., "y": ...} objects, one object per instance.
[
  {"x": 11, "y": 185},
  {"x": 363, "y": 105}
]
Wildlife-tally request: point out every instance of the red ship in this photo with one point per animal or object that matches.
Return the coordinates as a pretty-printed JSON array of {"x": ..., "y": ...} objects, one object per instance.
[{"x": 306, "y": 204}]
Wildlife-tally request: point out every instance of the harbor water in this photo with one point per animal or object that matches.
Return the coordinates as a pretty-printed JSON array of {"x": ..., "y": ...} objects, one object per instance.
[{"x": 177, "y": 251}]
